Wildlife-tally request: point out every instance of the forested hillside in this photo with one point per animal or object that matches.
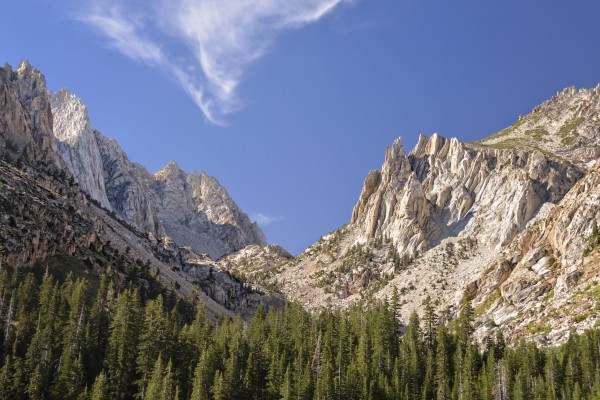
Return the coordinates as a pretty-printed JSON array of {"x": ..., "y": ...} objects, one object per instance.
[{"x": 75, "y": 338}]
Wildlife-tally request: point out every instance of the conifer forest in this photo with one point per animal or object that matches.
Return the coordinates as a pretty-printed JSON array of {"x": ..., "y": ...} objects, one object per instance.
[{"x": 78, "y": 338}]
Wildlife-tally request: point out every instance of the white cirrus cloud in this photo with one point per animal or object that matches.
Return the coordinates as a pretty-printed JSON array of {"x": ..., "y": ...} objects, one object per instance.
[
  {"x": 264, "y": 219},
  {"x": 205, "y": 45}
]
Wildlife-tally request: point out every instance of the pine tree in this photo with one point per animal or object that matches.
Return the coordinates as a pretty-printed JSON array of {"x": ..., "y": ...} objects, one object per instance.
[
  {"x": 218, "y": 389},
  {"x": 465, "y": 322},
  {"x": 169, "y": 389},
  {"x": 193, "y": 339},
  {"x": 443, "y": 375},
  {"x": 233, "y": 373},
  {"x": 470, "y": 367},
  {"x": 97, "y": 329},
  {"x": 412, "y": 356},
  {"x": 154, "y": 385},
  {"x": 486, "y": 381},
  {"x": 553, "y": 378},
  {"x": 429, "y": 379},
  {"x": 204, "y": 376},
  {"x": 573, "y": 373},
  {"x": 274, "y": 377},
  {"x": 287, "y": 388},
  {"x": 325, "y": 387},
  {"x": 431, "y": 321},
  {"x": 27, "y": 312},
  {"x": 364, "y": 357},
  {"x": 70, "y": 379},
  {"x": 100, "y": 388},
  {"x": 306, "y": 383},
  {"x": 122, "y": 344},
  {"x": 42, "y": 354},
  {"x": 520, "y": 389},
  {"x": 8, "y": 388},
  {"x": 155, "y": 338}
]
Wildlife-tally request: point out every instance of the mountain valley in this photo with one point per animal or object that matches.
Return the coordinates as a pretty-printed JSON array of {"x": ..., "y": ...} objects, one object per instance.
[
  {"x": 507, "y": 218},
  {"x": 466, "y": 270}
]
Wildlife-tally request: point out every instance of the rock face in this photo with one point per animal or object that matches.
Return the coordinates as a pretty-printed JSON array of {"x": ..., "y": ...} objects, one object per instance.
[
  {"x": 252, "y": 260},
  {"x": 25, "y": 117},
  {"x": 128, "y": 187},
  {"x": 545, "y": 282},
  {"x": 445, "y": 188},
  {"x": 220, "y": 285},
  {"x": 77, "y": 145},
  {"x": 194, "y": 210}
]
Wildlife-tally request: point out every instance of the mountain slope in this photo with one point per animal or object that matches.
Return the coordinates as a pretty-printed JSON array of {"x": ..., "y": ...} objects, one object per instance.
[
  {"x": 451, "y": 216},
  {"x": 444, "y": 193},
  {"x": 567, "y": 126}
]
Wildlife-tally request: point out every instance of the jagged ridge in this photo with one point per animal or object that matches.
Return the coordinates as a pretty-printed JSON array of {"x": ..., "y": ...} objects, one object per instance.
[
  {"x": 195, "y": 210},
  {"x": 445, "y": 188}
]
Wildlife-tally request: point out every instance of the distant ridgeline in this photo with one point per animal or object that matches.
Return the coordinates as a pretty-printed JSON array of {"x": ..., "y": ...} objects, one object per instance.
[{"x": 73, "y": 338}]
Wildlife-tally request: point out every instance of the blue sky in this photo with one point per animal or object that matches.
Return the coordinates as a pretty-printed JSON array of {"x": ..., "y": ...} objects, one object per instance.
[{"x": 290, "y": 103}]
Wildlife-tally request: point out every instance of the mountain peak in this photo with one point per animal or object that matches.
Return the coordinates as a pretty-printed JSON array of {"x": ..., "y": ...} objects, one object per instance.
[
  {"x": 26, "y": 69},
  {"x": 25, "y": 97},
  {"x": 429, "y": 146},
  {"x": 72, "y": 119},
  {"x": 394, "y": 155},
  {"x": 171, "y": 172},
  {"x": 397, "y": 149},
  {"x": 193, "y": 209},
  {"x": 172, "y": 166},
  {"x": 64, "y": 95}
]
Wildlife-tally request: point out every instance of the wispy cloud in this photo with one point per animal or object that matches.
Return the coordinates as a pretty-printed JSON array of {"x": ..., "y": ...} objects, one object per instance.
[
  {"x": 264, "y": 219},
  {"x": 205, "y": 45}
]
